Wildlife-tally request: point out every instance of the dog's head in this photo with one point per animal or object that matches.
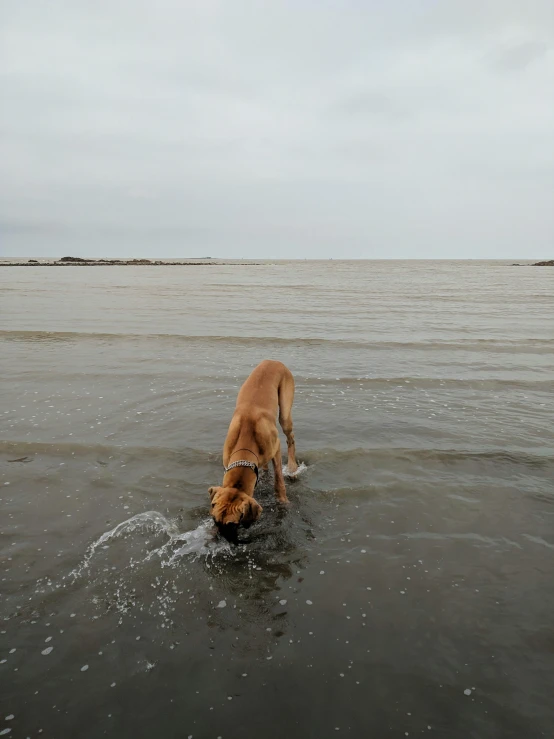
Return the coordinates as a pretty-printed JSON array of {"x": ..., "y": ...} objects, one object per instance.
[{"x": 230, "y": 509}]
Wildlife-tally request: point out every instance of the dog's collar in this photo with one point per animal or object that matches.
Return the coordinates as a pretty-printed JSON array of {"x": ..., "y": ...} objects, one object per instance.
[{"x": 244, "y": 463}]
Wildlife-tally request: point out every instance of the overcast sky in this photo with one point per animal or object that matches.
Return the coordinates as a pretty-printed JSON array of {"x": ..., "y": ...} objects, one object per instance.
[{"x": 285, "y": 128}]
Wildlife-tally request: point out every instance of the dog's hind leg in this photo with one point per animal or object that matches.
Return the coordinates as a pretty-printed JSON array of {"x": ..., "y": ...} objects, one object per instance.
[
  {"x": 280, "y": 489},
  {"x": 286, "y": 396}
]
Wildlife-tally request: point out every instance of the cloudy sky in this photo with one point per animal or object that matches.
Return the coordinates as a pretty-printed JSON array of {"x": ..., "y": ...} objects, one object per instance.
[{"x": 284, "y": 128}]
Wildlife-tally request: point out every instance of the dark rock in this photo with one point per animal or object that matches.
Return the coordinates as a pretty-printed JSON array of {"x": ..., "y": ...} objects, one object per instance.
[
  {"x": 548, "y": 263},
  {"x": 72, "y": 259},
  {"x": 33, "y": 261}
]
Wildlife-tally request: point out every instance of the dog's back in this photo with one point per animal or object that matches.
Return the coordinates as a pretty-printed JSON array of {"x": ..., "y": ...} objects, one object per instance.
[{"x": 262, "y": 388}]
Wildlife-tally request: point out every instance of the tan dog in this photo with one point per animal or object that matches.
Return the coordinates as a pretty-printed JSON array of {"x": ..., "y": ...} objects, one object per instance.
[{"x": 252, "y": 441}]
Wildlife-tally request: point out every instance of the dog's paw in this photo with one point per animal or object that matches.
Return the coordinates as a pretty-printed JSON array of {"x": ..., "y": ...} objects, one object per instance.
[{"x": 293, "y": 473}]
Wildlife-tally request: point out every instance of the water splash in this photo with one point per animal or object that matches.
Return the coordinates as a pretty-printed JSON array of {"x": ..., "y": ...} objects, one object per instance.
[
  {"x": 200, "y": 541},
  {"x": 301, "y": 468}
]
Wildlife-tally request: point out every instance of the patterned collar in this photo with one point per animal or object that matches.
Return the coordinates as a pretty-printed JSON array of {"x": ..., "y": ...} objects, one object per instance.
[{"x": 244, "y": 463}]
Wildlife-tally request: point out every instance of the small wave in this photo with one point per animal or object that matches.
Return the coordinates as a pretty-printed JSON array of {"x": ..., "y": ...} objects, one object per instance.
[
  {"x": 539, "y": 540},
  {"x": 434, "y": 383},
  {"x": 107, "y": 451},
  {"x": 185, "y": 454},
  {"x": 386, "y": 455},
  {"x": 479, "y": 539},
  {"x": 74, "y": 336},
  {"x": 527, "y": 345}
]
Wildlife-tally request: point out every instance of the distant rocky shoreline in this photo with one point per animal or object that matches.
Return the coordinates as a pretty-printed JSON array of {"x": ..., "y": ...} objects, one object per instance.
[
  {"x": 204, "y": 261},
  {"x": 80, "y": 262},
  {"x": 548, "y": 263}
]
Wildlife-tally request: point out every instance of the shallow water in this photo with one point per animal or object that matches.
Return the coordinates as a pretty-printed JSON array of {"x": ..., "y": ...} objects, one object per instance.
[{"x": 409, "y": 588}]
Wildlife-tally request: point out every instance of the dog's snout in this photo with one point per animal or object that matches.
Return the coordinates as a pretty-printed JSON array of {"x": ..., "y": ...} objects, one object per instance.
[{"x": 229, "y": 531}]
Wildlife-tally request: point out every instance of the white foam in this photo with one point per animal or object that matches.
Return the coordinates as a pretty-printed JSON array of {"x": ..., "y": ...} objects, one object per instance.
[
  {"x": 202, "y": 541},
  {"x": 301, "y": 468}
]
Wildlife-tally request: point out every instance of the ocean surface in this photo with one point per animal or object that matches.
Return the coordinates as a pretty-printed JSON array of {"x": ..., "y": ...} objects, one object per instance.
[{"x": 409, "y": 589}]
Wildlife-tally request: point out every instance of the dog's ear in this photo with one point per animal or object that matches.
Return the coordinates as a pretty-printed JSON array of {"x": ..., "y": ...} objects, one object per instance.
[
  {"x": 212, "y": 492},
  {"x": 250, "y": 511}
]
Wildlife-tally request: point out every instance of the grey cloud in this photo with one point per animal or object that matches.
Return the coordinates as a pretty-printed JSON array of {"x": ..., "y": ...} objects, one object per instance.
[
  {"x": 30, "y": 227},
  {"x": 373, "y": 103},
  {"x": 520, "y": 55},
  {"x": 277, "y": 129}
]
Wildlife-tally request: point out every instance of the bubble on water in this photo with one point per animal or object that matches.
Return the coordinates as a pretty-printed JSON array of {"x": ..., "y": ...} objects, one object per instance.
[
  {"x": 84, "y": 668},
  {"x": 221, "y": 604},
  {"x": 309, "y": 602},
  {"x": 467, "y": 691},
  {"x": 47, "y": 650},
  {"x": 283, "y": 602}
]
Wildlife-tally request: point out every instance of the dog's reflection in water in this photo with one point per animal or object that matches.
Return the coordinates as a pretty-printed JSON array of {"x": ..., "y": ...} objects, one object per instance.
[{"x": 274, "y": 549}]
